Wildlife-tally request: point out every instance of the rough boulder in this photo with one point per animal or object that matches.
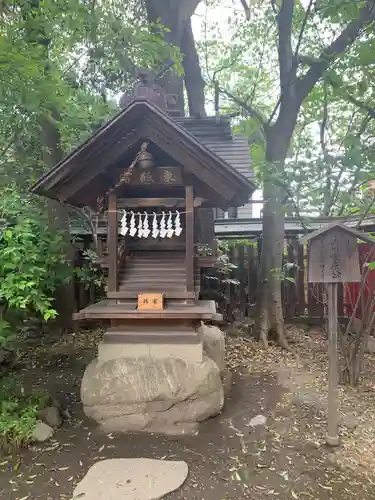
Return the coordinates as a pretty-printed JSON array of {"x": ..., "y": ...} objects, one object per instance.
[
  {"x": 167, "y": 396},
  {"x": 214, "y": 344}
]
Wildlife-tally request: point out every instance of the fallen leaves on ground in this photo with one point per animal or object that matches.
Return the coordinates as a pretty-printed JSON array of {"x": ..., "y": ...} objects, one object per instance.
[{"x": 303, "y": 373}]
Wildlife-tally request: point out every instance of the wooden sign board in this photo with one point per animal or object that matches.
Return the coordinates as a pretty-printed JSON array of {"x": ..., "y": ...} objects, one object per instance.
[
  {"x": 167, "y": 176},
  {"x": 150, "y": 302},
  {"x": 333, "y": 258}
]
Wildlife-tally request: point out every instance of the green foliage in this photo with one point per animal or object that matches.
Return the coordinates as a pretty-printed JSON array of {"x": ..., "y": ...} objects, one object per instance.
[
  {"x": 66, "y": 61},
  {"x": 203, "y": 250},
  {"x": 286, "y": 274},
  {"x": 89, "y": 273},
  {"x": 332, "y": 153},
  {"x": 18, "y": 413},
  {"x": 32, "y": 262},
  {"x": 7, "y": 334},
  {"x": 225, "y": 266},
  {"x": 63, "y": 65},
  {"x": 216, "y": 281}
]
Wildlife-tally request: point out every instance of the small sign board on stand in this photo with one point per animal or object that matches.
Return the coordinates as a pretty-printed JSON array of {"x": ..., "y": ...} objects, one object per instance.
[
  {"x": 333, "y": 259},
  {"x": 150, "y": 302}
]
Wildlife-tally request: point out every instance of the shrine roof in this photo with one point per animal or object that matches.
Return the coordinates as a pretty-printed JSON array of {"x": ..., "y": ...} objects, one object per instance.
[
  {"x": 216, "y": 135},
  {"x": 215, "y": 163}
]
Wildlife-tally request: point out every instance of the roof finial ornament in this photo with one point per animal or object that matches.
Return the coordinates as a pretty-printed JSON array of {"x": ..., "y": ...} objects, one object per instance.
[{"x": 146, "y": 76}]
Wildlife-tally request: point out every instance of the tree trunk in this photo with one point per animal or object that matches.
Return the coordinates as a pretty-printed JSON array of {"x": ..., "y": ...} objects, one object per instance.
[
  {"x": 176, "y": 16},
  {"x": 269, "y": 300},
  {"x": 194, "y": 82},
  {"x": 271, "y": 319}
]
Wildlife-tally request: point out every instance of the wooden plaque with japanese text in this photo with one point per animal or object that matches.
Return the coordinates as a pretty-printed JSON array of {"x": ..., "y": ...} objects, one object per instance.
[
  {"x": 333, "y": 258},
  {"x": 166, "y": 176},
  {"x": 150, "y": 302}
]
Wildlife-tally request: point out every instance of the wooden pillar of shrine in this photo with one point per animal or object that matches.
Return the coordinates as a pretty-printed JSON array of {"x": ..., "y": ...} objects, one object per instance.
[
  {"x": 112, "y": 242},
  {"x": 190, "y": 250}
]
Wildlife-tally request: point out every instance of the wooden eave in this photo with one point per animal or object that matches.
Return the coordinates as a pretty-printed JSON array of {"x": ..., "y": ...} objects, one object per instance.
[
  {"x": 142, "y": 120},
  {"x": 341, "y": 227}
]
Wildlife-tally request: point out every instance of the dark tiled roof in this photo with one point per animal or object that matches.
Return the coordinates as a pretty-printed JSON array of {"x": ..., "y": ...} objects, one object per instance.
[
  {"x": 108, "y": 144},
  {"x": 217, "y": 136}
]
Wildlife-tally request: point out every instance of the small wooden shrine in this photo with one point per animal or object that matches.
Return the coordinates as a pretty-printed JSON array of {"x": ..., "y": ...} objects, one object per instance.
[{"x": 149, "y": 176}]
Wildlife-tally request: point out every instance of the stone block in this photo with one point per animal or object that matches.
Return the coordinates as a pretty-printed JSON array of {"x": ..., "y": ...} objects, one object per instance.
[{"x": 131, "y": 479}]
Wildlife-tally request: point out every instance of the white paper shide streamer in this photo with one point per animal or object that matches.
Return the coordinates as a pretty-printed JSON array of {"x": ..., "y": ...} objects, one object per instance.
[
  {"x": 139, "y": 224},
  {"x": 146, "y": 230},
  {"x": 124, "y": 227},
  {"x": 155, "y": 229},
  {"x": 177, "y": 224},
  {"x": 133, "y": 229},
  {"x": 163, "y": 228},
  {"x": 170, "y": 230}
]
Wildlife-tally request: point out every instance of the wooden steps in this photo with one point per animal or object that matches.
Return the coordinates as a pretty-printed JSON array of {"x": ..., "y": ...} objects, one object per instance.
[{"x": 163, "y": 272}]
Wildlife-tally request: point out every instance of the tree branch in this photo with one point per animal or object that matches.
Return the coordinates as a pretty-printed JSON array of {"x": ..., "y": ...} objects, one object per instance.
[
  {"x": 12, "y": 140},
  {"x": 338, "y": 46},
  {"x": 353, "y": 185},
  {"x": 246, "y": 8},
  {"x": 327, "y": 194},
  {"x": 366, "y": 212},
  {"x": 273, "y": 5},
  {"x": 285, "y": 51},
  {"x": 297, "y": 210},
  {"x": 248, "y": 108},
  {"x": 357, "y": 102},
  {"x": 302, "y": 30},
  {"x": 274, "y": 111},
  {"x": 323, "y": 125},
  {"x": 87, "y": 214}
]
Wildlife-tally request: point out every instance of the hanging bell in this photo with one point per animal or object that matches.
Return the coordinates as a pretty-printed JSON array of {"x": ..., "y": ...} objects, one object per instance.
[{"x": 145, "y": 160}]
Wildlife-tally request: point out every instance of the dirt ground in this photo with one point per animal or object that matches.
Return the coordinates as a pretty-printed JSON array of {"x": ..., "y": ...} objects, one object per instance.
[{"x": 228, "y": 460}]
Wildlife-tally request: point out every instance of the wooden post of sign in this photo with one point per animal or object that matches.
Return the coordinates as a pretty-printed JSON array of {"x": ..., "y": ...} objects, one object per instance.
[
  {"x": 333, "y": 260},
  {"x": 333, "y": 415}
]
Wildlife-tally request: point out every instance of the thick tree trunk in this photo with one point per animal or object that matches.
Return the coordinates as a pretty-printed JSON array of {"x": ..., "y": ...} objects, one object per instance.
[
  {"x": 170, "y": 15},
  {"x": 269, "y": 300},
  {"x": 271, "y": 319},
  {"x": 194, "y": 82},
  {"x": 176, "y": 16}
]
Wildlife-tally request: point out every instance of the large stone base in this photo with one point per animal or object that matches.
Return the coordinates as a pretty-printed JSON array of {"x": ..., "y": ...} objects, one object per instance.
[
  {"x": 168, "y": 396},
  {"x": 155, "y": 387}
]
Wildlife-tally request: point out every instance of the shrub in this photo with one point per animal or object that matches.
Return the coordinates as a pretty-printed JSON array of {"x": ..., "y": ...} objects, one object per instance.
[
  {"x": 18, "y": 414},
  {"x": 32, "y": 262}
]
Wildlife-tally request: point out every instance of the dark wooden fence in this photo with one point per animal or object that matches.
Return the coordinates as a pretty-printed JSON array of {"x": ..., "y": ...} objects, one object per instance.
[
  {"x": 236, "y": 293},
  {"x": 299, "y": 298}
]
